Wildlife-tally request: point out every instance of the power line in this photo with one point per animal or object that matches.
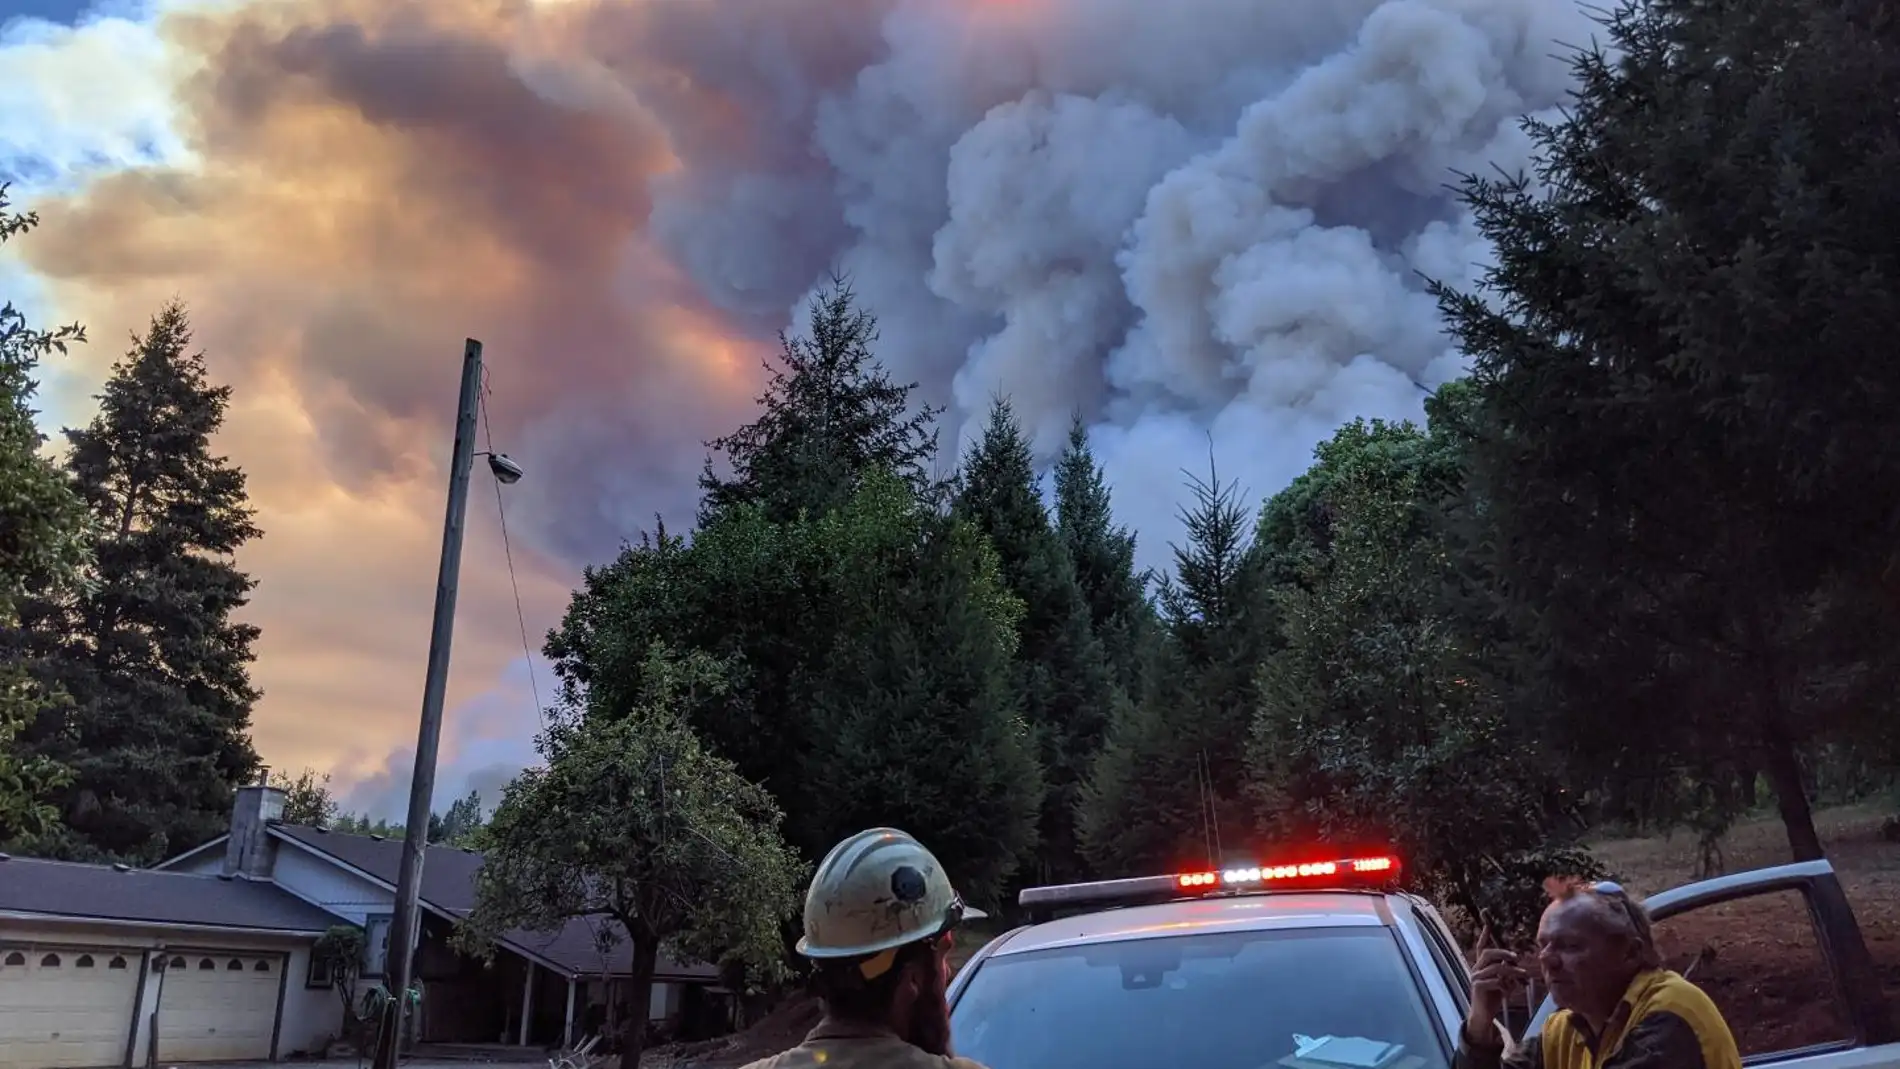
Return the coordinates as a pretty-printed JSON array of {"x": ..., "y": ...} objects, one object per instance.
[{"x": 507, "y": 550}]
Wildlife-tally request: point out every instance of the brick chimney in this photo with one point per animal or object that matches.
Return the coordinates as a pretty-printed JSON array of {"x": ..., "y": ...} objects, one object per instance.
[{"x": 249, "y": 851}]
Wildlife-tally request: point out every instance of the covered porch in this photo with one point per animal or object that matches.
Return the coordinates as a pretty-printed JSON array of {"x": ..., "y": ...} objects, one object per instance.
[{"x": 525, "y": 1000}]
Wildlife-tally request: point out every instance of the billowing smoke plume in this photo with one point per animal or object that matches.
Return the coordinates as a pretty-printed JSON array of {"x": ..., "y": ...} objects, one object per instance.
[
  {"x": 1194, "y": 223},
  {"x": 1182, "y": 219}
]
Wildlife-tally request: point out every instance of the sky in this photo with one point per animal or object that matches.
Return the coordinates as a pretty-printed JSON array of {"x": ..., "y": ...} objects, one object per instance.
[{"x": 1202, "y": 226}]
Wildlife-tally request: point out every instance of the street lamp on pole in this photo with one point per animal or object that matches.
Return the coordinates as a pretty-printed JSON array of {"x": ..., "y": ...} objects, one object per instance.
[{"x": 405, "y": 926}]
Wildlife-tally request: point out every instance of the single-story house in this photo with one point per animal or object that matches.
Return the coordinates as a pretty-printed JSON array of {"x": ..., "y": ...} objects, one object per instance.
[{"x": 207, "y": 957}]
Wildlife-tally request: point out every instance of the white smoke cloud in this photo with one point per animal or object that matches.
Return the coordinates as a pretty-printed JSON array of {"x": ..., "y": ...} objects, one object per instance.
[{"x": 1198, "y": 223}]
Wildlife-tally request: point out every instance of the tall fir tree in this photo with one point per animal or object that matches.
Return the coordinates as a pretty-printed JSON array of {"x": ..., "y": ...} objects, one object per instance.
[
  {"x": 1061, "y": 671},
  {"x": 831, "y": 413},
  {"x": 1103, "y": 555},
  {"x": 157, "y": 732},
  {"x": 1168, "y": 788},
  {"x": 1685, "y": 449}
]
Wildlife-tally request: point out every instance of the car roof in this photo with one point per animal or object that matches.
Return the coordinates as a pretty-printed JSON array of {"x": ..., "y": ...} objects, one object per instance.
[{"x": 1225, "y": 913}]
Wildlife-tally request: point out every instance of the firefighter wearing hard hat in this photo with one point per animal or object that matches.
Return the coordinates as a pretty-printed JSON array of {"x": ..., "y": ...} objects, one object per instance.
[{"x": 878, "y": 924}]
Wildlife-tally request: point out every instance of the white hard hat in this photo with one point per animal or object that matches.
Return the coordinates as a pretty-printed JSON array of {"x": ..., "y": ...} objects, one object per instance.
[{"x": 876, "y": 891}]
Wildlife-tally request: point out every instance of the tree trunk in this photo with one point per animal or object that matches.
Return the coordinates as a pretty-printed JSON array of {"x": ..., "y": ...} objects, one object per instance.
[
  {"x": 1783, "y": 767},
  {"x": 639, "y": 1000}
]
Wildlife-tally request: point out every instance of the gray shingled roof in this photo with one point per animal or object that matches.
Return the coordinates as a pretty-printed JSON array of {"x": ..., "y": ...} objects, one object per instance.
[
  {"x": 104, "y": 892},
  {"x": 448, "y": 884}
]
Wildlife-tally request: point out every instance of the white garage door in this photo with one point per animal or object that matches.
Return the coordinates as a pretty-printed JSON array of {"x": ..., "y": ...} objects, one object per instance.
[
  {"x": 62, "y": 1007},
  {"x": 216, "y": 1006}
]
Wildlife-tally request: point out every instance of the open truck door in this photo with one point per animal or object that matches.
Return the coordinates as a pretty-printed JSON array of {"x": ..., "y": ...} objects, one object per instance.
[{"x": 1780, "y": 953}]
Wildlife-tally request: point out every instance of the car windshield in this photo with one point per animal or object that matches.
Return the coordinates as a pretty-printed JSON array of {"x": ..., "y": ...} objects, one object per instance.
[{"x": 1308, "y": 998}]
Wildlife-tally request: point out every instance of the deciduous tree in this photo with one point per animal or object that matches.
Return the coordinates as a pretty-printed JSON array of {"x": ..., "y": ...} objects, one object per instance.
[
  {"x": 307, "y": 798},
  {"x": 633, "y": 820},
  {"x": 1381, "y": 718},
  {"x": 930, "y": 731},
  {"x": 44, "y": 548}
]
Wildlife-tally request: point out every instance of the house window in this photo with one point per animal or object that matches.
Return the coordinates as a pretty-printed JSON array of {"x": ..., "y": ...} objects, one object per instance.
[
  {"x": 319, "y": 974},
  {"x": 376, "y": 942}
]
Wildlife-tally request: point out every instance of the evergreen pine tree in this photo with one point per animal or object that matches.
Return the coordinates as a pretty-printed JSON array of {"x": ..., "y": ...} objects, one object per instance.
[
  {"x": 915, "y": 718},
  {"x": 831, "y": 413},
  {"x": 1168, "y": 786},
  {"x": 156, "y": 669},
  {"x": 1103, "y": 556},
  {"x": 1060, "y": 669},
  {"x": 1685, "y": 449}
]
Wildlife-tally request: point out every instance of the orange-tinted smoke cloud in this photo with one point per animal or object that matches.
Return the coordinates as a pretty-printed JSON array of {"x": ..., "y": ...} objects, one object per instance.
[{"x": 375, "y": 181}]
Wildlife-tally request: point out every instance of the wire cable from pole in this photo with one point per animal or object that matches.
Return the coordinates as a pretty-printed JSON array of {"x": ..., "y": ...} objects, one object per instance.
[{"x": 508, "y": 553}]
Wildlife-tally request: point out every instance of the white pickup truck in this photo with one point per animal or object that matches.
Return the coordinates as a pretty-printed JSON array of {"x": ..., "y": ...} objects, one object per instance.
[{"x": 1323, "y": 965}]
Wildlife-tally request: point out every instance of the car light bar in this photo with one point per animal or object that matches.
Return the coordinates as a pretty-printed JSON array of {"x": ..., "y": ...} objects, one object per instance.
[{"x": 1310, "y": 875}]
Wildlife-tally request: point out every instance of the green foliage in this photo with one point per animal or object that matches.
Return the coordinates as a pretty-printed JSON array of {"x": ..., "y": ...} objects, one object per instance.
[
  {"x": 157, "y": 732},
  {"x": 307, "y": 799},
  {"x": 1062, "y": 672},
  {"x": 829, "y": 414},
  {"x": 796, "y": 610},
  {"x": 44, "y": 547},
  {"x": 1381, "y": 720},
  {"x": 1168, "y": 785},
  {"x": 918, "y": 722},
  {"x": 360, "y": 824},
  {"x": 340, "y": 948},
  {"x": 26, "y": 779},
  {"x": 1684, "y": 447},
  {"x": 43, "y": 525},
  {"x": 634, "y": 820},
  {"x": 1103, "y": 556},
  {"x": 462, "y": 825}
]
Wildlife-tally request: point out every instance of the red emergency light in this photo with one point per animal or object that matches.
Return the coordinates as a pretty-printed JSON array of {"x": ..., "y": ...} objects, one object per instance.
[
  {"x": 1341, "y": 874},
  {"x": 1322, "y": 872}
]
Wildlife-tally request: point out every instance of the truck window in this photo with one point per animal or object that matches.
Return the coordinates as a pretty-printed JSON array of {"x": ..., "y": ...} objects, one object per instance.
[{"x": 1760, "y": 959}]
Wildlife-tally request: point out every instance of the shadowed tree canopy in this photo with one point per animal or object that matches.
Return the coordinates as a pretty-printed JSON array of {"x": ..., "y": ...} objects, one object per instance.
[
  {"x": 157, "y": 671},
  {"x": 1103, "y": 555},
  {"x": 830, "y": 414},
  {"x": 1168, "y": 787},
  {"x": 307, "y": 798},
  {"x": 1061, "y": 672},
  {"x": 632, "y": 820},
  {"x": 870, "y": 651},
  {"x": 1382, "y": 717},
  {"x": 44, "y": 548},
  {"x": 1685, "y": 449}
]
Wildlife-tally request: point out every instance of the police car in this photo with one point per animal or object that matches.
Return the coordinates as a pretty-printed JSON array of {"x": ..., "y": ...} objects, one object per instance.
[{"x": 1316, "y": 965}]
